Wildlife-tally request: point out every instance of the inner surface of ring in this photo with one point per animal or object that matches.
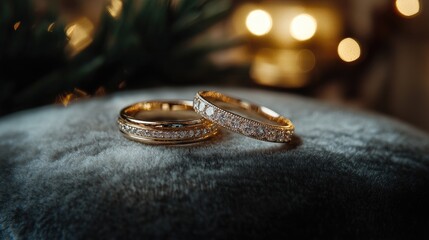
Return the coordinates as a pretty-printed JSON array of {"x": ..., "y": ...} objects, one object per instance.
[
  {"x": 162, "y": 111},
  {"x": 160, "y": 115},
  {"x": 246, "y": 109}
]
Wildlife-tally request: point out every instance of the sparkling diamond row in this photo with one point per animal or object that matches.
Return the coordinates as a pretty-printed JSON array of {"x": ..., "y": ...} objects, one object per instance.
[
  {"x": 240, "y": 124},
  {"x": 176, "y": 134}
]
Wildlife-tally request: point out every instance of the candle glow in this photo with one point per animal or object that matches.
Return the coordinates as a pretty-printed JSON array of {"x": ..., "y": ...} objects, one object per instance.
[
  {"x": 408, "y": 8},
  {"x": 303, "y": 27},
  {"x": 349, "y": 50},
  {"x": 259, "y": 22}
]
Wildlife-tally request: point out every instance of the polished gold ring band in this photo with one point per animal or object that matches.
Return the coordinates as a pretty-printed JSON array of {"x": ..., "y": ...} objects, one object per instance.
[
  {"x": 243, "y": 117},
  {"x": 164, "y": 122}
]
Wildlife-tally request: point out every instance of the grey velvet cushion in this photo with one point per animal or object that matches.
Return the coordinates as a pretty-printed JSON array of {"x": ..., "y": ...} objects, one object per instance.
[{"x": 68, "y": 173}]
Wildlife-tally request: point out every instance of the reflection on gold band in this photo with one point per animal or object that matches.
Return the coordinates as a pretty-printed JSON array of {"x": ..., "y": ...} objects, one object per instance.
[
  {"x": 231, "y": 113},
  {"x": 164, "y": 122}
]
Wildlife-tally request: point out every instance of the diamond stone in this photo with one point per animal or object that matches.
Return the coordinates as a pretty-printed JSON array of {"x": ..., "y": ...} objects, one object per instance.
[
  {"x": 235, "y": 123},
  {"x": 174, "y": 135},
  {"x": 182, "y": 134},
  {"x": 281, "y": 136},
  {"x": 272, "y": 136},
  {"x": 191, "y": 133},
  {"x": 209, "y": 111},
  {"x": 221, "y": 118},
  {"x": 201, "y": 106},
  {"x": 260, "y": 130},
  {"x": 197, "y": 133},
  {"x": 247, "y": 129}
]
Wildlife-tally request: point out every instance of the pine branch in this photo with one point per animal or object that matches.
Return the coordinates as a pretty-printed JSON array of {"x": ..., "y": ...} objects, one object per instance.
[{"x": 146, "y": 42}]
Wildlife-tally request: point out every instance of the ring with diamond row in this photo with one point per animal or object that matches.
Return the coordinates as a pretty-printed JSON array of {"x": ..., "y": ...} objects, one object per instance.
[
  {"x": 164, "y": 122},
  {"x": 243, "y": 117}
]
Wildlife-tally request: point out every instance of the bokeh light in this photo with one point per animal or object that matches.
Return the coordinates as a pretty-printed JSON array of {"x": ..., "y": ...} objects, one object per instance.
[
  {"x": 69, "y": 97},
  {"x": 303, "y": 27},
  {"x": 16, "y": 25},
  {"x": 51, "y": 27},
  {"x": 259, "y": 22},
  {"x": 115, "y": 8},
  {"x": 349, "y": 50},
  {"x": 408, "y": 8},
  {"x": 79, "y": 34}
]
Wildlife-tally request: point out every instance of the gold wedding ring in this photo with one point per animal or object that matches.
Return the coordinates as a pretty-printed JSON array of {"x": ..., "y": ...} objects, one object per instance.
[
  {"x": 243, "y": 117},
  {"x": 164, "y": 122}
]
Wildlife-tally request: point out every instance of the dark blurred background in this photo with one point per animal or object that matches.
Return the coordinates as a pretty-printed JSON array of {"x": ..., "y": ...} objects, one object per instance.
[{"x": 370, "y": 54}]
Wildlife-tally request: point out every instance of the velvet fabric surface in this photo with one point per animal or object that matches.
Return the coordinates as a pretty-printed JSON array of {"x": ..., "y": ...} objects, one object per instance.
[{"x": 67, "y": 173}]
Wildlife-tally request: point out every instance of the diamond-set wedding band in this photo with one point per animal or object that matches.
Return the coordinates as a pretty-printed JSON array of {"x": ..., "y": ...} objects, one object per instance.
[
  {"x": 211, "y": 109},
  {"x": 164, "y": 131},
  {"x": 276, "y": 128}
]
